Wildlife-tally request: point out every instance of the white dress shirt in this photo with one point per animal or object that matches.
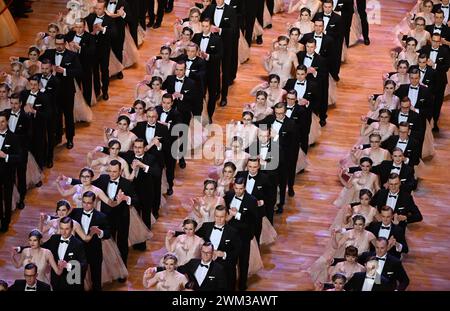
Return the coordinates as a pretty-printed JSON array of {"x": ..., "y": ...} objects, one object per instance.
[
  {"x": 62, "y": 248},
  {"x": 289, "y": 110},
  {"x": 433, "y": 55},
  {"x": 204, "y": 42},
  {"x": 2, "y": 139},
  {"x": 368, "y": 284},
  {"x": 307, "y": 61},
  {"x": 164, "y": 115},
  {"x": 392, "y": 200},
  {"x": 150, "y": 133},
  {"x": 384, "y": 233},
  {"x": 218, "y": 13},
  {"x": 335, "y": 2},
  {"x": 216, "y": 236},
  {"x": 445, "y": 9},
  {"x": 201, "y": 272},
  {"x": 44, "y": 80},
  {"x": 300, "y": 87},
  {"x": 189, "y": 63},
  {"x": 318, "y": 39},
  {"x": 13, "y": 119},
  {"x": 250, "y": 183},
  {"x": 402, "y": 144},
  {"x": 402, "y": 117},
  {"x": 32, "y": 98},
  {"x": 141, "y": 158},
  {"x": 58, "y": 58},
  {"x": 236, "y": 203},
  {"x": 112, "y": 188},
  {"x": 178, "y": 84},
  {"x": 381, "y": 263},
  {"x": 77, "y": 38},
  {"x": 326, "y": 20},
  {"x": 413, "y": 94},
  {"x": 112, "y": 7},
  {"x": 263, "y": 150},
  {"x": 276, "y": 125},
  {"x": 396, "y": 168},
  {"x": 86, "y": 221},
  {"x": 31, "y": 288}
]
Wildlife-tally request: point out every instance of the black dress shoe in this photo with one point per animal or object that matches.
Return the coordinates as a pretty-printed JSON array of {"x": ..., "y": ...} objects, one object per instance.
[
  {"x": 169, "y": 191},
  {"x": 182, "y": 163},
  {"x": 4, "y": 228},
  {"x": 168, "y": 10},
  {"x": 121, "y": 280},
  {"x": 69, "y": 144},
  {"x": 366, "y": 41},
  {"x": 141, "y": 246},
  {"x": 291, "y": 192},
  {"x": 28, "y": 10},
  {"x": 322, "y": 123},
  {"x": 269, "y": 26},
  {"x": 105, "y": 96},
  {"x": 279, "y": 209},
  {"x": 20, "y": 205},
  {"x": 39, "y": 184},
  {"x": 435, "y": 129},
  {"x": 119, "y": 75},
  {"x": 50, "y": 164},
  {"x": 21, "y": 16},
  {"x": 156, "y": 26},
  {"x": 259, "y": 40},
  {"x": 223, "y": 103},
  {"x": 150, "y": 24}
]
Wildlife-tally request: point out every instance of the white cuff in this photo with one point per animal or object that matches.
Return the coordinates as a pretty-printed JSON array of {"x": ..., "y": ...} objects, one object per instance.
[
  {"x": 160, "y": 147},
  {"x": 124, "y": 15},
  {"x": 128, "y": 200},
  {"x": 69, "y": 181},
  {"x": 69, "y": 266},
  {"x": 238, "y": 216},
  {"x": 6, "y": 158},
  {"x": 146, "y": 168},
  {"x": 100, "y": 236},
  {"x": 398, "y": 247},
  {"x": 65, "y": 72},
  {"x": 104, "y": 29},
  {"x": 224, "y": 255},
  {"x": 406, "y": 160}
]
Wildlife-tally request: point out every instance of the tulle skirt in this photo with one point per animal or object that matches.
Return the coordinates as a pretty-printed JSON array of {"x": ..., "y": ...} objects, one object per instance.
[
  {"x": 315, "y": 131},
  {"x": 138, "y": 231},
  {"x": 34, "y": 173},
  {"x": 302, "y": 163},
  {"x": 346, "y": 196},
  {"x": 8, "y": 29},
  {"x": 114, "y": 65},
  {"x": 141, "y": 35},
  {"x": 428, "y": 142},
  {"x": 332, "y": 96},
  {"x": 255, "y": 263},
  {"x": 113, "y": 267},
  {"x": 267, "y": 18},
  {"x": 278, "y": 6},
  {"x": 130, "y": 51},
  {"x": 355, "y": 29},
  {"x": 244, "y": 49},
  {"x": 268, "y": 233},
  {"x": 81, "y": 111}
]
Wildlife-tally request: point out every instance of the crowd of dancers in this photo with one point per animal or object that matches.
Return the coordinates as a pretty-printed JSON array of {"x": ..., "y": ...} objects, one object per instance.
[{"x": 69, "y": 69}]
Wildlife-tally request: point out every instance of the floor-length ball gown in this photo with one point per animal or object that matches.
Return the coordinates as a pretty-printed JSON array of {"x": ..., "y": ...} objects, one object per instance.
[{"x": 8, "y": 29}]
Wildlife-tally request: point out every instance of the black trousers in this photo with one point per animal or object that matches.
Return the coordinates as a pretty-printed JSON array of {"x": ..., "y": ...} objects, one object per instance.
[
  {"x": 323, "y": 104},
  {"x": 361, "y": 5},
  {"x": 66, "y": 109},
  {"x": 141, "y": 12},
  {"x": 159, "y": 14},
  {"x": 282, "y": 182},
  {"x": 6, "y": 189},
  {"x": 38, "y": 145},
  {"x": 51, "y": 134},
  {"x": 213, "y": 86},
  {"x": 86, "y": 83},
  {"x": 254, "y": 10},
  {"x": 170, "y": 4},
  {"x": 170, "y": 163},
  {"x": 117, "y": 42},
  {"x": 101, "y": 66},
  {"x": 270, "y": 5},
  {"x": 145, "y": 207},
  {"x": 439, "y": 92},
  {"x": 347, "y": 23},
  {"x": 21, "y": 170},
  {"x": 95, "y": 264},
  {"x": 292, "y": 163},
  {"x": 244, "y": 256},
  {"x": 119, "y": 219}
]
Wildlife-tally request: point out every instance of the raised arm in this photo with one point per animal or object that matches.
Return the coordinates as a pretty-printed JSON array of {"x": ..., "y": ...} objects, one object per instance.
[{"x": 51, "y": 261}]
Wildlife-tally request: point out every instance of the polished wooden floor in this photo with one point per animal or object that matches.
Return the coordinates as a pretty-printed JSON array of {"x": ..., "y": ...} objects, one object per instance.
[{"x": 303, "y": 228}]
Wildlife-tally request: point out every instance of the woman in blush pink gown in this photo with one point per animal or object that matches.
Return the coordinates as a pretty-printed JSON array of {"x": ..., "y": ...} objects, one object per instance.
[
  {"x": 162, "y": 67},
  {"x": 225, "y": 181},
  {"x": 136, "y": 113},
  {"x": 203, "y": 207},
  {"x": 41, "y": 257},
  {"x": 363, "y": 179},
  {"x": 338, "y": 281},
  {"x": 193, "y": 22},
  {"x": 121, "y": 133},
  {"x": 259, "y": 108},
  {"x": 409, "y": 53},
  {"x": 387, "y": 100},
  {"x": 340, "y": 240},
  {"x": 235, "y": 154},
  {"x": 167, "y": 280},
  {"x": 303, "y": 23},
  {"x": 401, "y": 76},
  {"x": 344, "y": 217},
  {"x": 275, "y": 93},
  {"x": 179, "y": 46},
  {"x": 150, "y": 91},
  {"x": 46, "y": 41},
  {"x": 281, "y": 61},
  {"x": 294, "y": 45},
  {"x": 374, "y": 152},
  {"x": 32, "y": 65},
  {"x": 16, "y": 81},
  {"x": 419, "y": 33},
  {"x": 383, "y": 127},
  {"x": 244, "y": 129},
  {"x": 4, "y": 97},
  {"x": 185, "y": 246},
  {"x": 313, "y": 6}
]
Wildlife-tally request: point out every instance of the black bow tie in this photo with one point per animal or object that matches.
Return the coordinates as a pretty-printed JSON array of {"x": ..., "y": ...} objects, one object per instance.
[
  {"x": 150, "y": 126},
  {"x": 179, "y": 80},
  {"x": 114, "y": 182},
  {"x": 290, "y": 108},
  {"x": 251, "y": 177},
  {"x": 87, "y": 214},
  {"x": 434, "y": 50},
  {"x": 393, "y": 196},
  {"x": 402, "y": 142},
  {"x": 306, "y": 56},
  {"x": 265, "y": 145},
  {"x": 328, "y": 16},
  {"x": 100, "y": 17},
  {"x": 237, "y": 198},
  {"x": 79, "y": 36},
  {"x": 34, "y": 95},
  {"x": 217, "y": 228},
  {"x": 395, "y": 168},
  {"x": 3, "y": 135},
  {"x": 444, "y": 6},
  {"x": 300, "y": 83},
  {"x": 44, "y": 78},
  {"x": 113, "y": 2},
  {"x": 414, "y": 87},
  {"x": 319, "y": 37},
  {"x": 14, "y": 114},
  {"x": 205, "y": 37},
  {"x": 379, "y": 258},
  {"x": 204, "y": 266},
  {"x": 279, "y": 121},
  {"x": 385, "y": 228},
  {"x": 59, "y": 53},
  {"x": 30, "y": 288},
  {"x": 139, "y": 158},
  {"x": 217, "y": 8},
  {"x": 403, "y": 114},
  {"x": 370, "y": 278},
  {"x": 437, "y": 27},
  {"x": 63, "y": 241}
]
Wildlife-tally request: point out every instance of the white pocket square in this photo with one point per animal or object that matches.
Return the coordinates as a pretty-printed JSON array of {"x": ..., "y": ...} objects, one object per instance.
[
  {"x": 7, "y": 146},
  {"x": 70, "y": 254},
  {"x": 245, "y": 209}
]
